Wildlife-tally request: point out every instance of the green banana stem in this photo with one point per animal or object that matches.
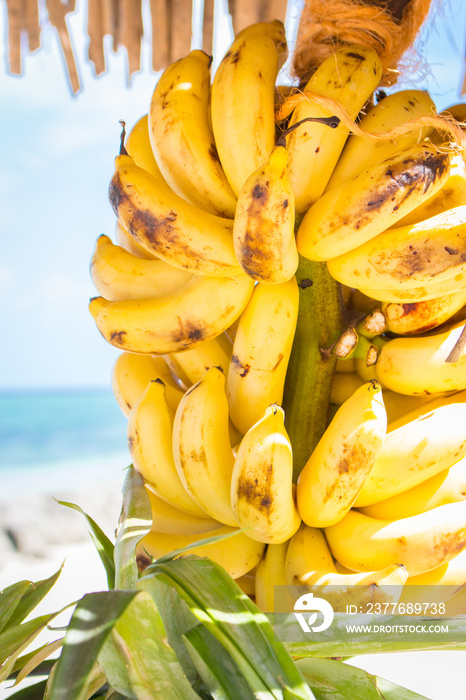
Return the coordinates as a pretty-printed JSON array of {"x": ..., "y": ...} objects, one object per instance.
[{"x": 310, "y": 371}]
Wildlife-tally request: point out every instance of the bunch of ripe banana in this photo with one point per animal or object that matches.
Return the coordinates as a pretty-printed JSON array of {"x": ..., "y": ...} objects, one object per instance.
[{"x": 200, "y": 294}]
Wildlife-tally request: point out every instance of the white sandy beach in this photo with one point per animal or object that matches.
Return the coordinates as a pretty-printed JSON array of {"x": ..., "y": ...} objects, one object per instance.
[{"x": 34, "y": 546}]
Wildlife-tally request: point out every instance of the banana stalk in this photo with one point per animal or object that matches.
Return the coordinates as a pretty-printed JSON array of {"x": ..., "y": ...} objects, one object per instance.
[{"x": 310, "y": 371}]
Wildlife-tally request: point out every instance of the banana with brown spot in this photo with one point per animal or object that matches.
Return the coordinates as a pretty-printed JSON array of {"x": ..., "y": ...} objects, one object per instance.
[
  {"x": 118, "y": 274},
  {"x": 165, "y": 224},
  {"x": 261, "y": 352},
  {"x": 393, "y": 110},
  {"x": 421, "y": 542},
  {"x": 131, "y": 373},
  {"x": 172, "y": 521},
  {"x": 413, "y": 318},
  {"x": 213, "y": 353},
  {"x": 420, "y": 255},
  {"x": 309, "y": 563},
  {"x": 150, "y": 428},
  {"x": 343, "y": 458},
  {"x": 263, "y": 230},
  {"x": 237, "y": 556},
  {"x": 270, "y": 591},
  {"x": 360, "y": 208},
  {"x": 349, "y": 75},
  {"x": 201, "y": 446},
  {"x": 262, "y": 492},
  {"x": 428, "y": 439},
  {"x": 182, "y": 138},
  {"x": 198, "y": 311}
]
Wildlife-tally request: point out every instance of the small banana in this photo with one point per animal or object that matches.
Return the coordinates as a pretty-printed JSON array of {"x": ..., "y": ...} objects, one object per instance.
[
  {"x": 261, "y": 352},
  {"x": 201, "y": 446},
  {"x": 200, "y": 310},
  {"x": 421, "y": 542},
  {"x": 131, "y": 373},
  {"x": 213, "y": 353},
  {"x": 275, "y": 30},
  {"x": 339, "y": 465},
  {"x": 437, "y": 585},
  {"x": 242, "y": 106},
  {"x": 138, "y": 146},
  {"x": 349, "y": 75},
  {"x": 358, "y": 209},
  {"x": 344, "y": 385},
  {"x": 418, "y": 317},
  {"x": 270, "y": 575},
  {"x": 150, "y": 426},
  {"x": 449, "y": 486},
  {"x": 182, "y": 138},
  {"x": 452, "y": 194},
  {"x": 418, "y": 365},
  {"x": 408, "y": 256},
  {"x": 172, "y": 521},
  {"x": 262, "y": 493},
  {"x": 398, "y": 405},
  {"x": 430, "y": 290},
  {"x": 237, "y": 556},
  {"x": 263, "y": 230},
  {"x": 393, "y": 110},
  {"x": 165, "y": 224},
  {"x": 118, "y": 274},
  {"x": 417, "y": 450},
  {"x": 309, "y": 563}
]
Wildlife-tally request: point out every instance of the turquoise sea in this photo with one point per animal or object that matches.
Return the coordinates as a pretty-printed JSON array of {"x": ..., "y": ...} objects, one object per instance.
[{"x": 59, "y": 436}]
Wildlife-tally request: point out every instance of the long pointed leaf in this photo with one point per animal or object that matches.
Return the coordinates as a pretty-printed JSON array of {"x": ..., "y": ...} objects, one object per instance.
[
  {"x": 32, "y": 597},
  {"x": 136, "y": 521},
  {"x": 92, "y": 621},
  {"x": 138, "y": 661},
  {"x": 102, "y": 543},
  {"x": 216, "y": 667},
  {"x": 228, "y": 613},
  {"x": 34, "y": 660},
  {"x": 9, "y": 600},
  {"x": 336, "y": 680}
]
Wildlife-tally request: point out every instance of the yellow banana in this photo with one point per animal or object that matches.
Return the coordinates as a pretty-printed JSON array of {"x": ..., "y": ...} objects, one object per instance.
[
  {"x": 418, "y": 365},
  {"x": 393, "y": 110},
  {"x": 182, "y": 139},
  {"x": 417, "y": 450},
  {"x": 237, "y": 556},
  {"x": 126, "y": 241},
  {"x": 344, "y": 385},
  {"x": 421, "y": 542},
  {"x": 138, "y": 146},
  {"x": 449, "y": 486},
  {"x": 261, "y": 352},
  {"x": 262, "y": 492},
  {"x": 275, "y": 30},
  {"x": 408, "y": 256},
  {"x": 358, "y": 209},
  {"x": 398, "y": 405},
  {"x": 200, "y": 310},
  {"x": 172, "y": 521},
  {"x": 309, "y": 563},
  {"x": 437, "y": 585},
  {"x": 131, "y": 373},
  {"x": 452, "y": 194},
  {"x": 201, "y": 446},
  {"x": 213, "y": 353},
  {"x": 150, "y": 427},
  {"x": 247, "y": 583},
  {"x": 118, "y": 274},
  {"x": 177, "y": 372},
  {"x": 165, "y": 224},
  {"x": 243, "y": 118},
  {"x": 339, "y": 465},
  {"x": 271, "y": 573},
  {"x": 419, "y": 317},
  {"x": 349, "y": 75},
  {"x": 431, "y": 290},
  {"x": 263, "y": 230}
]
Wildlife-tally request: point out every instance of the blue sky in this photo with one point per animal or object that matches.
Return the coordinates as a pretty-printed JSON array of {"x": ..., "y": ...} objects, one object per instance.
[{"x": 55, "y": 164}]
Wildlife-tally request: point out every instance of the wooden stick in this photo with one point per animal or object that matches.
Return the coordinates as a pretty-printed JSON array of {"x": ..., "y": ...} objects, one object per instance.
[
  {"x": 131, "y": 32},
  {"x": 14, "y": 36},
  {"x": 95, "y": 30},
  {"x": 31, "y": 11},
  {"x": 159, "y": 13},
  {"x": 57, "y": 11},
  {"x": 180, "y": 28},
  {"x": 208, "y": 27}
]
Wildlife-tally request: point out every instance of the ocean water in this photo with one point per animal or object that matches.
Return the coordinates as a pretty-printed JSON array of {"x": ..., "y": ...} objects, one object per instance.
[{"x": 60, "y": 436}]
